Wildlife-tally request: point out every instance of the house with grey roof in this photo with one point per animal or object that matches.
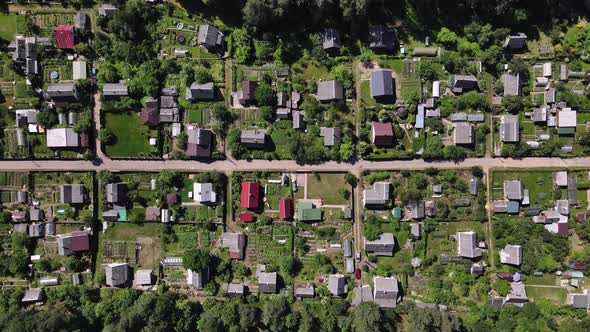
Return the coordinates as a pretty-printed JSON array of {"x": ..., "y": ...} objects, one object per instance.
[
  {"x": 384, "y": 245},
  {"x": 196, "y": 279},
  {"x": 539, "y": 115},
  {"x": 196, "y": 91},
  {"x": 549, "y": 96},
  {"x": 329, "y": 91},
  {"x": 511, "y": 255},
  {"x": 580, "y": 301},
  {"x": 36, "y": 230},
  {"x": 512, "y": 85},
  {"x": 253, "y": 138},
  {"x": 144, "y": 277},
  {"x": 72, "y": 194},
  {"x": 378, "y": 196},
  {"x": 36, "y": 214},
  {"x": 473, "y": 187},
  {"x": 416, "y": 230},
  {"x": 382, "y": 84},
  {"x": 509, "y": 129},
  {"x": 500, "y": 206},
  {"x": 107, "y": 9},
  {"x": 267, "y": 282},
  {"x": 463, "y": 134},
  {"x": 117, "y": 274},
  {"x": 304, "y": 292},
  {"x": 381, "y": 38},
  {"x": 515, "y": 41},
  {"x": 517, "y": 295},
  {"x": 330, "y": 40},
  {"x": 420, "y": 116},
  {"x": 337, "y": 284},
  {"x": 467, "y": 245},
  {"x": 210, "y": 38},
  {"x": 199, "y": 142},
  {"x": 331, "y": 135},
  {"x": 204, "y": 194},
  {"x": 513, "y": 190},
  {"x": 362, "y": 294},
  {"x": 566, "y": 121},
  {"x": 298, "y": 120},
  {"x": 115, "y": 90},
  {"x": 233, "y": 289},
  {"x": 169, "y": 115},
  {"x": 62, "y": 138},
  {"x": 476, "y": 117},
  {"x": 117, "y": 193},
  {"x": 62, "y": 92},
  {"x": 235, "y": 243},
  {"x": 33, "y": 296},
  {"x": 417, "y": 210},
  {"x": 462, "y": 83},
  {"x": 386, "y": 292}
]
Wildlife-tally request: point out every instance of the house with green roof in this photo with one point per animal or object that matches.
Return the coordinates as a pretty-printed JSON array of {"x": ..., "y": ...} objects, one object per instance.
[{"x": 307, "y": 212}]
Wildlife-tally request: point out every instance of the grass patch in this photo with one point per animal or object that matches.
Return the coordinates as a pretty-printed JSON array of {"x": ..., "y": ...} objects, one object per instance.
[
  {"x": 132, "y": 139},
  {"x": 7, "y": 26},
  {"x": 130, "y": 232},
  {"x": 326, "y": 187},
  {"x": 556, "y": 295}
]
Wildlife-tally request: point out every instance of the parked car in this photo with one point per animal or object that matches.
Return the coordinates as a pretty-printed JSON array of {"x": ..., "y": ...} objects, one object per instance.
[
  {"x": 357, "y": 274},
  {"x": 358, "y": 256}
]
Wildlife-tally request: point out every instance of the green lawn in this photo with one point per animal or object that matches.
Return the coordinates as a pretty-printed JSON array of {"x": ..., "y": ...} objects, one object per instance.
[
  {"x": 366, "y": 98},
  {"x": 7, "y": 26},
  {"x": 130, "y": 232},
  {"x": 326, "y": 186},
  {"x": 132, "y": 139},
  {"x": 555, "y": 295},
  {"x": 539, "y": 183}
]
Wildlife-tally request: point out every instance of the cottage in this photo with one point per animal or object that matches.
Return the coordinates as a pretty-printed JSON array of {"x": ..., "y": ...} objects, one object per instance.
[
  {"x": 378, "y": 196},
  {"x": 33, "y": 296},
  {"x": 381, "y": 84},
  {"x": 549, "y": 96},
  {"x": 301, "y": 292},
  {"x": 250, "y": 195},
  {"x": 117, "y": 274},
  {"x": 381, "y": 134},
  {"x": 381, "y": 38},
  {"x": 306, "y": 211},
  {"x": 73, "y": 243},
  {"x": 517, "y": 295},
  {"x": 65, "y": 37},
  {"x": 285, "y": 209},
  {"x": 144, "y": 278},
  {"x": 500, "y": 206},
  {"x": 233, "y": 289},
  {"x": 169, "y": 115},
  {"x": 462, "y": 83},
  {"x": 117, "y": 193},
  {"x": 107, "y": 10},
  {"x": 382, "y": 246},
  {"x": 72, "y": 194},
  {"x": 62, "y": 138},
  {"x": 329, "y": 91},
  {"x": 210, "y": 37},
  {"x": 337, "y": 284},
  {"x": 115, "y": 90},
  {"x": 419, "y": 124},
  {"x": 195, "y": 279},
  {"x": 79, "y": 70},
  {"x": 150, "y": 117},
  {"x": 416, "y": 230},
  {"x": 566, "y": 122},
  {"x": 253, "y": 138},
  {"x": 513, "y": 190},
  {"x": 199, "y": 142},
  {"x": 331, "y": 40},
  {"x": 511, "y": 254},
  {"x": 36, "y": 230},
  {"x": 267, "y": 282},
  {"x": 204, "y": 194},
  {"x": 425, "y": 51},
  {"x": 246, "y": 95},
  {"x": 386, "y": 293},
  {"x": 362, "y": 294},
  {"x": 235, "y": 243},
  {"x": 62, "y": 92},
  {"x": 539, "y": 115},
  {"x": 196, "y": 91},
  {"x": 515, "y": 41},
  {"x": 298, "y": 120},
  {"x": 152, "y": 213},
  {"x": 509, "y": 129},
  {"x": 417, "y": 210},
  {"x": 331, "y": 135},
  {"x": 467, "y": 245},
  {"x": 512, "y": 85},
  {"x": 580, "y": 301},
  {"x": 463, "y": 134},
  {"x": 20, "y": 216}
]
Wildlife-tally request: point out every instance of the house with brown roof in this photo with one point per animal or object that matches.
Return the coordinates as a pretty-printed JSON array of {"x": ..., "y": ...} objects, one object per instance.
[
  {"x": 199, "y": 143},
  {"x": 150, "y": 117},
  {"x": 73, "y": 243},
  {"x": 381, "y": 134},
  {"x": 247, "y": 96}
]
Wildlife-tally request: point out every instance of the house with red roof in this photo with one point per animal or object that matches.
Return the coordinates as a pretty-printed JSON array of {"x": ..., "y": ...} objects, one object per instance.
[
  {"x": 381, "y": 134},
  {"x": 250, "y": 195},
  {"x": 285, "y": 209},
  {"x": 65, "y": 36},
  {"x": 246, "y": 217}
]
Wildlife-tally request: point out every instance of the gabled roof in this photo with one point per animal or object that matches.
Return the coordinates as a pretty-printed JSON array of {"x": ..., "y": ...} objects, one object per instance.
[
  {"x": 337, "y": 284},
  {"x": 509, "y": 129},
  {"x": 512, "y": 85},
  {"x": 250, "y": 195},
  {"x": 467, "y": 245},
  {"x": 199, "y": 142},
  {"x": 463, "y": 134},
  {"x": 150, "y": 116},
  {"x": 330, "y": 91},
  {"x": 74, "y": 242},
  {"x": 117, "y": 274},
  {"x": 381, "y": 37},
  {"x": 462, "y": 83},
  {"x": 511, "y": 254},
  {"x": 64, "y": 36},
  {"x": 307, "y": 212},
  {"x": 285, "y": 208},
  {"x": 381, "y": 83},
  {"x": 513, "y": 190},
  {"x": 72, "y": 194},
  {"x": 116, "y": 192},
  {"x": 209, "y": 36},
  {"x": 235, "y": 242},
  {"x": 115, "y": 89},
  {"x": 381, "y": 133},
  {"x": 330, "y": 39},
  {"x": 198, "y": 91},
  {"x": 203, "y": 193},
  {"x": 248, "y": 90},
  {"x": 253, "y": 137},
  {"x": 386, "y": 292},
  {"x": 378, "y": 195},
  {"x": 331, "y": 135},
  {"x": 515, "y": 41}
]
